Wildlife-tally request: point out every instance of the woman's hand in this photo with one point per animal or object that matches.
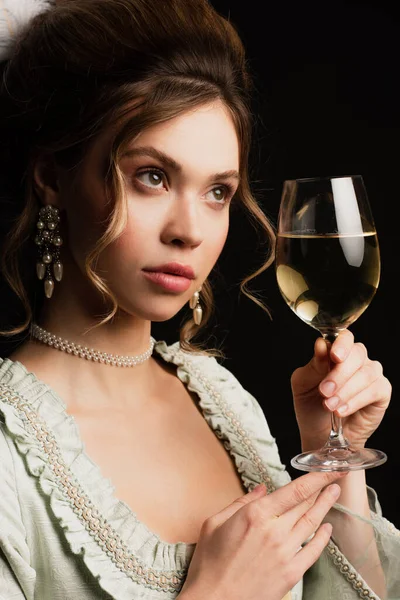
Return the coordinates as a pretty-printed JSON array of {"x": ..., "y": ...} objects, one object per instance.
[
  {"x": 244, "y": 551},
  {"x": 355, "y": 388}
]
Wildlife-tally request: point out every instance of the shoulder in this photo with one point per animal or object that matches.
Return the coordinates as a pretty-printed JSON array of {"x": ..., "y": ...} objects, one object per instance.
[
  {"x": 7, "y": 476},
  {"x": 15, "y": 375},
  {"x": 14, "y": 381},
  {"x": 10, "y": 514}
]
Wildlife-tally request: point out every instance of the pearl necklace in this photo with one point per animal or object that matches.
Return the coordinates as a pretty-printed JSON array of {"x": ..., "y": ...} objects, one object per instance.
[{"x": 117, "y": 360}]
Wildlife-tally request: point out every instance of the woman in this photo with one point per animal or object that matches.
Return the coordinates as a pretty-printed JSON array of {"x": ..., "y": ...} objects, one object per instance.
[{"x": 126, "y": 133}]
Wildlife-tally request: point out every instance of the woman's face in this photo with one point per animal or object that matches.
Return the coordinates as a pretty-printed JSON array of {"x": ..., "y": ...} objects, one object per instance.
[{"x": 179, "y": 179}]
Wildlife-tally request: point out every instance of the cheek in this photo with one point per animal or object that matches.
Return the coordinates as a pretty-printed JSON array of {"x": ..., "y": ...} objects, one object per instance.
[
  {"x": 138, "y": 234},
  {"x": 217, "y": 241},
  {"x": 133, "y": 247},
  {"x": 223, "y": 232},
  {"x": 127, "y": 247}
]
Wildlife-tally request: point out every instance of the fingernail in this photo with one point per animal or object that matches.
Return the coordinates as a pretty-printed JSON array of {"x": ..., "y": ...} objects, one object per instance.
[
  {"x": 332, "y": 402},
  {"x": 334, "y": 490},
  {"x": 327, "y": 527},
  {"x": 340, "y": 353},
  {"x": 257, "y": 488},
  {"x": 342, "y": 409},
  {"x": 327, "y": 388}
]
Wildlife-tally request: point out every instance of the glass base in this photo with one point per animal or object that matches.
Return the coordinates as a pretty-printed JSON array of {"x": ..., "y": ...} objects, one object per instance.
[{"x": 338, "y": 459}]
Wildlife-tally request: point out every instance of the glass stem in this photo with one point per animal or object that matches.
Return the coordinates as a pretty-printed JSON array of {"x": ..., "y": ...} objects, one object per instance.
[{"x": 336, "y": 437}]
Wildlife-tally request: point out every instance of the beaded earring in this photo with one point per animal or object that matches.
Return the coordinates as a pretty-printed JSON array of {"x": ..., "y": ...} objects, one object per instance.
[{"x": 48, "y": 242}]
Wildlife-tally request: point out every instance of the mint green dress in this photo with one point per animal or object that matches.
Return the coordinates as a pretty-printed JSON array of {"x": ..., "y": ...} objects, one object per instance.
[{"x": 65, "y": 536}]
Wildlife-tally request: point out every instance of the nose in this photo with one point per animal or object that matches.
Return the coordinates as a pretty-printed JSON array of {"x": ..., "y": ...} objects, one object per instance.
[{"x": 183, "y": 225}]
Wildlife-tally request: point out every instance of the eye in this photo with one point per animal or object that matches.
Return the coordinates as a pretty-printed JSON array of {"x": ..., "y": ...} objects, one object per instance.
[
  {"x": 151, "y": 178},
  {"x": 222, "y": 194}
]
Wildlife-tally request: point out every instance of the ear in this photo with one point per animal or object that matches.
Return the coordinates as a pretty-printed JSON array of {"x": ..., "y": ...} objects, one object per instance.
[{"x": 46, "y": 180}]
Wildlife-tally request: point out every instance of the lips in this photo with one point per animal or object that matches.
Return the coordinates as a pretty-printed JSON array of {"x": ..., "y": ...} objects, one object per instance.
[
  {"x": 170, "y": 282},
  {"x": 173, "y": 269}
]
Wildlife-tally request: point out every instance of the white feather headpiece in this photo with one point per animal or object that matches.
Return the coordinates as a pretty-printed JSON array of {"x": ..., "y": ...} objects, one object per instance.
[{"x": 15, "y": 15}]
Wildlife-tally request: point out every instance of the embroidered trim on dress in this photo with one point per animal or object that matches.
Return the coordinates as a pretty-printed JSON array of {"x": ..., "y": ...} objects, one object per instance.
[
  {"x": 236, "y": 425},
  {"x": 349, "y": 572},
  {"x": 106, "y": 537},
  {"x": 338, "y": 558}
]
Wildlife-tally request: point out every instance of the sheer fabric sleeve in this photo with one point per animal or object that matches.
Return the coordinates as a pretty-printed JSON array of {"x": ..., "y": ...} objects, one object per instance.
[
  {"x": 17, "y": 578},
  {"x": 374, "y": 573},
  {"x": 333, "y": 576}
]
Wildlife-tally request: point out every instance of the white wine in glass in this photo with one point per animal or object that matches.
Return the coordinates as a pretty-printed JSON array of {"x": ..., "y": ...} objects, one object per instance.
[{"x": 328, "y": 268}]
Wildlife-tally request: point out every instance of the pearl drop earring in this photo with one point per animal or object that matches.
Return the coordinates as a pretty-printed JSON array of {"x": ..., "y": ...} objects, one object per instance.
[{"x": 194, "y": 304}]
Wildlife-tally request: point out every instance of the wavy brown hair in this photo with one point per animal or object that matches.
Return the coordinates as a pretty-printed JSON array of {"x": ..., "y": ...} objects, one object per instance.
[{"x": 81, "y": 67}]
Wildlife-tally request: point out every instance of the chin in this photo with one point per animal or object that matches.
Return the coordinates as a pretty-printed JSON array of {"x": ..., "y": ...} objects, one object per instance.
[
  {"x": 156, "y": 312},
  {"x": 158, "y": 316}
]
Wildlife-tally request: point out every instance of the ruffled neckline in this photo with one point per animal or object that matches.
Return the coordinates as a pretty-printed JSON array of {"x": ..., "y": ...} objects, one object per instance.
[{"x": 143, "y": 555}]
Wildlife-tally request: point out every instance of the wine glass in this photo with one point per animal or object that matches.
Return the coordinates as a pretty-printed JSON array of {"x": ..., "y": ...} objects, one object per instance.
[{"x": 328, "y": 268}]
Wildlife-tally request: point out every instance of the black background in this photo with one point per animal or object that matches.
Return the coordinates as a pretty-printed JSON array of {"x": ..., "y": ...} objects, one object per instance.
[{"x": 327, "y": 103}]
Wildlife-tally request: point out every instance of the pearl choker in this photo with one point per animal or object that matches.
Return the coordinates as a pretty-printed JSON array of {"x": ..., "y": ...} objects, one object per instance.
[{"x": 117, "y": 360}]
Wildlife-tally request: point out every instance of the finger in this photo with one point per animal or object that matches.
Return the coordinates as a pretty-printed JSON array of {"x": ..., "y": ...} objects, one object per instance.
[
  {"x": 293, "y": 515},
  {"x": 299, "y": 490},
  {"x": 342, "y": 346},
  {"x": 320, "y": 359},
  {"x": 342, "y": 372},
  {"x": 309, "y": 376},
  {"x": 368, "y": 377},
  {"x": 220, "y": 517},
  {"x": 309, "y": 522},
  {"x": 378, "y": 394},
  {"x": 324, "y": 349},
  {"x": 310, "y": 553},
  {"x": 338, "y": 351}
]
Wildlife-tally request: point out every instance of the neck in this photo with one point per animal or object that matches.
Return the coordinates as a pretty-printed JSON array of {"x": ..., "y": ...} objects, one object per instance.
[
  {"x": 75, "y": 309},
  {"x": 71, "y": 313}
]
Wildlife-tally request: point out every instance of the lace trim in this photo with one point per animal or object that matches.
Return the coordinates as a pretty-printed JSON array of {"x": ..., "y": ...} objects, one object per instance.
[
  {"x": 83, "y": 507},
  {"x": 105, "y": 536},
  {"x": 102, "y": 532},
  {"x": 236, "y": 425},
  {"x": 388, "y": 525},
  {"x": 338, "y": 558}
]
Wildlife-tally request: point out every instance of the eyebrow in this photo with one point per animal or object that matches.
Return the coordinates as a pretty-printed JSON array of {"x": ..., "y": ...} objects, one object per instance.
[{"x": 172, "y": 164}]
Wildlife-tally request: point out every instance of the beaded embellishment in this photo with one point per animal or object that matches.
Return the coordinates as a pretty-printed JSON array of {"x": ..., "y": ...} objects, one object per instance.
[
  {"x": 106, "y": 537},
  {"x": 349, "y": 572},
  {"x": 102, "y": 532},
  {"x": 338, "y": 558}
]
